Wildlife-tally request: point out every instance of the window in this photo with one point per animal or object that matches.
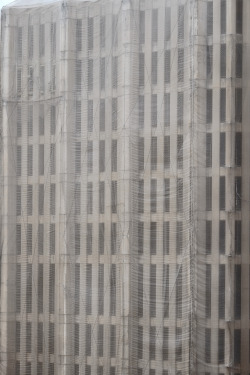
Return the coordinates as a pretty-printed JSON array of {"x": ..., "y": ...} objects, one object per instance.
[
  {"x": 221, "y": 346},
  {"x": 237, "y": 237},
  {"x": 209, "y": 150},
  {"x": 102, "y": 73},
  {"x": 89, "y": 289},
  {"x": 101, "y": 238},
  {"x": 166, "y": 194},
  {"x": 76, "y": 339},
  {"x": 209, "y": 113},
  {"x": 179, "y": 197},
  {"x": 19, "y": 82},
  {"x": 101, "y": 289},
  {"x": 52, "y": 238},
  {"x": 77, "y": 239},
  {"x": 141, "y": 154},
  {"x": 90, "y": 115},
  {"x": 114, "y": 71},
  {"x": 101, "y": 197},
  {"x": 166, "y": 238},
  {"x": 40, "y": 289},
  {"x": 102, "y": 115},
  {"x": 180, "y": 108},
  {"x": 222, "y": 236},
  {"x": 222, "y": 105},
  {"x": 178, "y": 345},
  {"x": 115, "y": 29},
  {"x": 238, "y": 63},
  {"x": 113, "y": 290},
  {"x": 167, "y": 24},
  {"x": 41, "y": 119},
  {"x": 53, "y": 39},
  {"x": 181, "y": 11},
  {"x": 41, "y": 40},
  {"x": 90, "y": 74},
  {"x": 41, "y": 160},
  {"x": 152, "y": 342},
  {"x": 221, "y": 300},
  {"x": 18, "y": 337},
  {"x": 237, "y": 193},
  {"x": 222, "y": 149},
  {"x": 51, "y": 344},
  {"x": 29, "y": 289},
  {"x": 153, "y": 290},
  {"x": 113, "y": 344},
  {"x": 167, "y": 151},
  {"x": 153, "y": 153},
  {"x": 19, "y": 43},
  {"x": 40, "y": 338},
  {"x": 102, "y": 31},
  {"x": 30, "y": 80},
  {"x": 100, "y": 340},
  {"x": 88, "y": 337},
  {"x": 19, "y": 121},
  {"x": 153, "y": 238},
  {"x": 90, "y": 156},
  {"x": 237, "y": 291},
  {"x": 223, "y": 16},
  {"x": 19, "y": 160},
  {"x": 141, "y": 112},
  {"x": 238, "y": 104},
  {"x": 114, "y": 155},
  {"x": 114, "y": 113},
  {"x": 140, "y": 237},
  {"x": 42, "y": 79},
  {"x": 179, "y": 239},
  {"x": 154, "y": 25},
  {"x": 89, "y": 197},
  {"x": 29, "y": 239},
  {"x": 89, "y": 239},
  {"x": 30, "y": 120},
  {"x": 78, "y": 35},
  {"x": 239, "y": 16},
  {"x": 40, "y": 238},
  {"x": 90, "y": 33},
  {"x": 114, "y": 197},
  {"x": 29, "y": 200},
  {"x": 18, "y": 239},
  {"x": 153, "y": 195},
  {"x": 223, "y": 60},
  {"x": 18, "y": 200},
  {"x": 178, "y": 295},
  {"x": 237, "y": 346},
  {"x": 52, "y": 158},
  {"x": 208, "y": 193},
  {"x": 18, "y": 288},
  {"x": 140, "y": 342},
  {"x": 180, "y": 65},
  {"x": 142, "y": 27},
  {"x": 78, "y": 117},
  {"x": 141, "y": 196},
  {"x": 238, "y": 149},
  {"x": 113, "y": 238},
  {"x": 210, "y": 18},
  {"x": 78, "y": 75},
  {"x": 209, "y": 62},
  {"x": 207, "y": 345},
  {"x": 180, "y": 151},
  {"x": 154, "y": 110},
  {"x": 52, "y": 120},
  {"x": 41, "y": 199},
  {"x": 222, "y": 196},
  {"x": 140, "y": 290},
  {"x": 166, "y": 109},
  {"x": 52, "y": 199},
  {"x": 154, "y": 68},
  {"x": 208, "y": 291},
  {"x": 53, "y": 77},
  {"x": 51, "y": 290},
  {"x": 165, "y": 290},
  {"x": 102, "y": 156},
  {"x": 167, "y": 66}
]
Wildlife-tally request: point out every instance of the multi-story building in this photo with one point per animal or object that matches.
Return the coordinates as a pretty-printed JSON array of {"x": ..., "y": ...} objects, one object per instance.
[{"x": 125, "y": 173}]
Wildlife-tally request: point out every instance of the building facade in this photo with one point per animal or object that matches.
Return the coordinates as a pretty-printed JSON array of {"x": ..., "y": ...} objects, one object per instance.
[{"x": 125, "y": 173}]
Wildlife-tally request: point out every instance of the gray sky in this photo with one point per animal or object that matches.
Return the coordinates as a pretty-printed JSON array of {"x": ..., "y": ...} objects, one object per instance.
[{"x": 4, "y": 2}]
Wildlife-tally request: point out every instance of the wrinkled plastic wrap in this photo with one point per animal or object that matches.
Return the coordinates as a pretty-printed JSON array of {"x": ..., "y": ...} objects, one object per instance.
[{"x": 125, "y": 197}]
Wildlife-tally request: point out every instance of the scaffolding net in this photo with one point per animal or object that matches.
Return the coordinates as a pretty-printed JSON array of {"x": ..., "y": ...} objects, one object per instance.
[{"x": 123, "y": 245}]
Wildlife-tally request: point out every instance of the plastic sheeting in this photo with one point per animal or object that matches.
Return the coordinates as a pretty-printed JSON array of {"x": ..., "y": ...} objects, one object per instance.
[{"x": 125, "y": 185}]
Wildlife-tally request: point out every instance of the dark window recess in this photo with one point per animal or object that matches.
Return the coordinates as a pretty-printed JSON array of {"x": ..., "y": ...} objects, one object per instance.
[
  {"x": 238, "y": 149},
  {"x": 154, "y": 68},
  {"x": 165, "y": 290},
  {"x": 222, "y": 149},
  {"x": 208, "y": 290},
  {"x": 154, "y": 110},
  {"x": 100, "y": 340},
  {"x": 141, "y": 154},
  {"x": 237, "y": 237},
  {"x": 153, "y": 237},
  {"x": 153, "y": 290},
  {"x": 223, "y": 16},
  {"x": 209, "y": 150},
  {"x": 237, "y": 193},
  {"x": 166, "y": 194},
  {"x": 222, "y": 196},
  {"x": 180, "y": 108},
  {"x": 141, "y": 112},
  {"x": 166, "y": 238},
  {"x": 167, "y": 151},
  {"x": 102, "y": 115},
  {"x": 154, "y": 25},
  {"x": 153, "y": 153},
  {"x": 237, "y": 346},
  {"x": 223, "y": 105},
  {"x": 77, "y": 288},
  {"x": 114, "y": 72},
  {"x": 167, "y": 66},
  {"x": 207, "y": 345},
  {"x": 90, "y": 33},
  {"x": 209, "y": 62},
  {"x": 140, "y": 290},
  {"x": 221, "y": 346},
  {"x": 181, "y": 19},
  {"x": 238, "y": 65},
  {"x": 166, "y": 109},
  {"x": 209, "y": 111},
  {"x": 238, "y": 104},
  {"x": 239, "y": 16},
  {"x": 152, "y": 342},
  {"x": 178, "y": 345},
  {"x": 113, "y": 238},
  {"x": 101, "y": 197},
  {"x": 78, "y": 35},
  {"x": 237, "y": 291},
  {"x": 222, "y": 237},
  {"x": 180, "y": 151},
  {"x": 210, "y": 18},
  {"x": 179, "y": 239},
  {"x": 208, "y": 236},
  {"x": 221, "y": 301},
  {"x": 88, "y": 337},
  {"x": 113, "y": 290},
  {"x": 140, "y": 237},
  {"x": 101, "y": 289},
  {"x": 208, "y": 193},
  {"x": 167, "y": 24},
  {"x": 180, "y": 65},
  {"x": 113, "y": 342},
  {"x": 223, "y": 60},
  {"x": 89, "y": 238},
  {"x": 142, "y": 27},
  {"x": 165, "y": 344},
  {"x": 89, "y": 289},
  {"x": 141, "y": 68},
  {"x": 178, "y": 295},
  {"x": 179, "y": 196},
  {"x": 141, "y": 196},
  {"x": 90, "y": 115},
  {"x": 153, "y": 195},
  {"x": 101, "y": 238}
]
